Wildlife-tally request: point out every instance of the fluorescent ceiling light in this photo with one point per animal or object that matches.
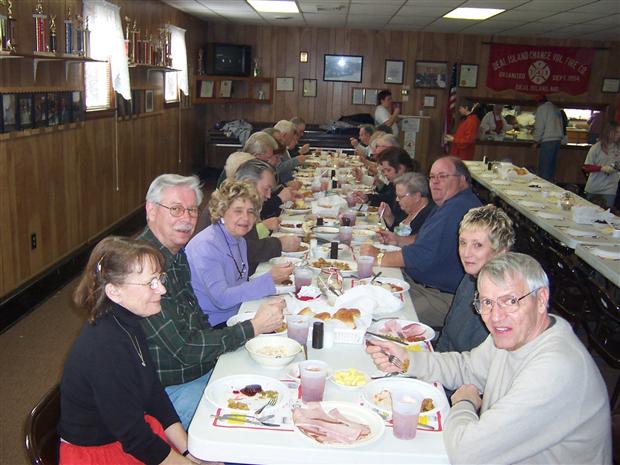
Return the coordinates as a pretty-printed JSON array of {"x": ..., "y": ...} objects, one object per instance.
[
  {"x": 473, "y": 13},
  {"x": 275, "y": 6}
]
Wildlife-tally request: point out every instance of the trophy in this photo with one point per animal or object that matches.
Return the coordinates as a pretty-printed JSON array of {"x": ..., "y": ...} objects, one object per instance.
[
  {"x": 79, "y": 36},
  {"x": 53, "y": 39},
  {"x": 256, "y": 68},
  {"x": 86, "y": 38},
  {"x": 127, "y": 41},
  {"x": 135, "y": 36},
  {"x": 40, "y": 29},
  {"x": 69, "y": 33}
]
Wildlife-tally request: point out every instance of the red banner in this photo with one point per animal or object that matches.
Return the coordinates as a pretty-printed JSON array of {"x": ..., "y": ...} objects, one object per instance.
[{"x": 539, "y": 70}]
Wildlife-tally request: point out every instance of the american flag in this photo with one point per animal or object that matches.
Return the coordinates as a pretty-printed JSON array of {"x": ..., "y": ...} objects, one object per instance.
[{"x": 451, "y": 107}]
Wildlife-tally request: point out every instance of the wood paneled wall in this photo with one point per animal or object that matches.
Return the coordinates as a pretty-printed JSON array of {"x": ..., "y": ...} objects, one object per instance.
[
  {"x": 67, "y": 184},
  {"x": 278, "y": 49}
]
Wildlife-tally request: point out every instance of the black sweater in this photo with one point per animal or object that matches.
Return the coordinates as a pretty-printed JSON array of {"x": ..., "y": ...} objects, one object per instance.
[{"x": 105, "y": 391}]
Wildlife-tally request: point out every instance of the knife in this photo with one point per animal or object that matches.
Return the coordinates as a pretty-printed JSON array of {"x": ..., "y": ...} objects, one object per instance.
[{"x": 397, "y": 340}]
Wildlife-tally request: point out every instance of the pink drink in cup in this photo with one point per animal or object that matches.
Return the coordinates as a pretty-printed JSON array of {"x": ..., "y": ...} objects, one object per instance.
[
  {"x": 345, "y": 234},
  {"x": 297, "y": 328},
  {"x": 312, "y": 374},
  {"x": 405, "y": 415},
  {"x": 364, "y": 266},
  {"x": 303, "y": 277},
  {"x": 352, "y": 215}
]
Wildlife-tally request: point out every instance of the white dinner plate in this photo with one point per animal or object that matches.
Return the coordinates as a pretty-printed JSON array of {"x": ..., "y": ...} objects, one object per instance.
[
  {"x": 550, "y": 216},
  {"x": 327, "y": 233},
  {"x": 224, "y": 389},
  {"x": 377, "y": 327},
  {"x": 421, "y": 389},
  {"x": 515, "y": 193},
  {"x": 356, "y": 413},
  {"x": 500, "y": 182},
  {"x": 345, "y": 273},
  {"x": 528, "y": 204},
  {"x": 606, "y": 253},
  {"x": 386, "y": 247},
  {"x": 579, "y": 232},
  {"x": 280, "y": 260},
  {"x": 404, "y": 285}
]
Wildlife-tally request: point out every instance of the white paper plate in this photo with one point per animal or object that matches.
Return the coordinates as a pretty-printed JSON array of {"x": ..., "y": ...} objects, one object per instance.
[
  {"x": 606, "y": 253},
  {"x": 221, "y": 390},
  {"x": 362, "y": 235},
  {"x": 515, "y": 193},
  {"x": 579, "y": 232},
  {"x": 528, "y": 204},
  {"x": 414, "y": 386},
  {"x": 386, "y": 247},
  {"x": 356, "y": 413},
  {"x": 327, "y": 233},
  {"x": 279, "y": 260},
  {"x": 550, "y": 216},
  {"x": 352, "y": 266},
  {"x": 393, "y": 281},
  {"x": 500, "y": 182},
  {"x": 377, "y": 327},
  {"x": 346, "y": 387}
]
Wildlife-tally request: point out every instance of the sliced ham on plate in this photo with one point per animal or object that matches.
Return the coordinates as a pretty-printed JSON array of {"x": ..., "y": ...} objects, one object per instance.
[{"x": 328, "y": 427}]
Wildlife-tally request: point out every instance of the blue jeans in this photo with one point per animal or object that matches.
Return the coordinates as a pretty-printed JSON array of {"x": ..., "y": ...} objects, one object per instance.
[
  {"x": 185, "y": 397},
  {"x": 547, "y": 155}
]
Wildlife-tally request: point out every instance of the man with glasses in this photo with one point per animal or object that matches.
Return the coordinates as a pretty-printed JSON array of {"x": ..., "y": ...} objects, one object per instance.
[
  {"x": 182, "y": 343},
  {"x": 432, "y": 262},
  {"x": 543, "y": 398}
]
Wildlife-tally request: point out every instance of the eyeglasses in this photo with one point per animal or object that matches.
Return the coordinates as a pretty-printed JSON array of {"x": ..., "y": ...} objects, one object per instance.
[
  {"x": 440, "y": 177},
  {"x": 509, "y": 303},
  {"x": 401, "y": 197},
  {"x": 178, "y": 211},
  {"x": 153, "y": 283}
]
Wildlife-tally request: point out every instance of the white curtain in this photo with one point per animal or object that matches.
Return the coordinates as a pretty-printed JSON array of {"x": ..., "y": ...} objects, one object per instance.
[
  {"x": 179, "y": 56},
  {"x": 107, "y": 42}
]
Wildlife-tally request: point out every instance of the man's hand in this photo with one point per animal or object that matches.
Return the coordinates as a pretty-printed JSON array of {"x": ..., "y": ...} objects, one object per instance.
[
  {"x": 354, "y": 142},
  {"x": 467, "y": 392},
  {"x": 286, "y": 194},
  {"x": 380, "y": 350},
  {"x": 269, "y": 316},
  {"x": 272, "y": 223},
  {"x": 359, "y": 197},
  {"x": 387, "y": 237},
  {"x": 290, "y": 243},
  {"x": 301, "y": 158},
  {"x": 396, "y": 111},
  {"x": 281, "y": 272},
  {"x": 304, "y": 149},
  {"x": 369, "y": 250}
]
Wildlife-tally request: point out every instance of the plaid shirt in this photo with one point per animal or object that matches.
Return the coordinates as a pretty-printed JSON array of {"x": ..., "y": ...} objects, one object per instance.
[{"x": 181, "y": 341}]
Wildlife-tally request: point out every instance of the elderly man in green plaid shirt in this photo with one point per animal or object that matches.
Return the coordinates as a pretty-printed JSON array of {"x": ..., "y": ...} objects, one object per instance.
[{"x": 181, "y": 341}]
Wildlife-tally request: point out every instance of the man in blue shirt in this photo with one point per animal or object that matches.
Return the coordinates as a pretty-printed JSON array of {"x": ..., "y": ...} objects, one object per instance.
[{"x": 432, "y": 262}]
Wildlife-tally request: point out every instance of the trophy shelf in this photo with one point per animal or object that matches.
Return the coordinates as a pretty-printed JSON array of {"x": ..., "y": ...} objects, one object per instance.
[
  {"x": 152, "y": 68},
  {"x": 47, "y": 56},
  {"x": 232, "y": 89}
]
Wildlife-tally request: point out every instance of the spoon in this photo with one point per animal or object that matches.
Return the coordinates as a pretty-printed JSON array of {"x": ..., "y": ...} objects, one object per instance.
[{"x": 376, "y": 276}]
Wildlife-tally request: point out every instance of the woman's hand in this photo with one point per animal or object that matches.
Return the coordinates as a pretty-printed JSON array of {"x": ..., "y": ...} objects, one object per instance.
[
  {"x": 269, "y": 316},
  {"x": 281, "y": 272},
  {"x": 272, "y": 223},
  {"x": 286, "y": 194},
  {"x": 359, "y": 197},
  {"x": 388, "y": 216},
  {"x": 380, "y": 350}
]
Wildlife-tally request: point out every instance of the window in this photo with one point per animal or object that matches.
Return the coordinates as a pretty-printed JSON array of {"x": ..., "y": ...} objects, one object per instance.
[
  {"x": 171, "y": 87},
  {"x": 176, "y": 81},
  {"x": 106, "y": 43},
  {"x": 574, "y": 113}
]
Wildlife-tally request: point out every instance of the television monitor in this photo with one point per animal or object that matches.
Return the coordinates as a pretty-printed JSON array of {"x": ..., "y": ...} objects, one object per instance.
[{"x": 228, "y": 59}]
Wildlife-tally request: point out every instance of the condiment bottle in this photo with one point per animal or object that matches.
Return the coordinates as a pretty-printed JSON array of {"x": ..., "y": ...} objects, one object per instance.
[
  {"x": 317, "y": 335},
  {"x": 333, "y": 251}
]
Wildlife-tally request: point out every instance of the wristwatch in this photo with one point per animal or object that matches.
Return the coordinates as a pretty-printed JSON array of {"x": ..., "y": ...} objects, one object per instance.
[{"x": 380, "y": 258}]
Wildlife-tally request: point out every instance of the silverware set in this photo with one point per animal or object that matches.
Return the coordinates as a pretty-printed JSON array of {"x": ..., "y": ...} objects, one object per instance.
[{"x": 248, "y": 419}]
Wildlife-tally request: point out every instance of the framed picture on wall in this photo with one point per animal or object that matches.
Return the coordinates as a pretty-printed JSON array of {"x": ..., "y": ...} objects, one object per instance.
[
  {"x": 430, "y": 101},
  {"x": 357, "y": 96},
  {"x": 285, "y": 84},
  {"x": 206, "y": 89},
  {"x": 370, "y": 96},
  {"x": 52, "y": 109},
  {"x": 9, "y": 112},
  {"x": 343, "y": 68},
  {"x": 468, "y": 76},
  {"x": 64, "y": 107},
  {"x": 24, "y": 111},
  {"x": 394, "y": 71},
  {"x": 77, "y": 106},
  {"x": 309, "y": 88},
  {"x": 40, "y": 110},
  {"x": 611, "y": 85},
  {"x": 225, "y": 88},
  {"x": 148, "y": 101},
  {"x": 431, "y": 74}
]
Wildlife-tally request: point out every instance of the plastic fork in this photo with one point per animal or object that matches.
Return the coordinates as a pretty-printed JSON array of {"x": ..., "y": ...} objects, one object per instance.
[{"x": 271, "y": 403}]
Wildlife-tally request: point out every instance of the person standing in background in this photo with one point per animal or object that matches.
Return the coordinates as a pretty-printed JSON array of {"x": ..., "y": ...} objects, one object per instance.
[
  {"x": 548, "y": 134},
  {"x": 464, "y": 139},
  {"x": 603, "y": 162},
  {"x": 384, "y": 114}
]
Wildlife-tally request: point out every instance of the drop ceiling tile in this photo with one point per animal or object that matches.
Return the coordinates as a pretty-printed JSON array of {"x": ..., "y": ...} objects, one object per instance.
[
  {"x": 412, "y": 21},
  {"x": 501, "y": 4},
  {"x": 523, "y": 15},
  {"x": 373, "y": 9},
  {"x": 438, "y": 10},
  {"x": 569, "y": 18},
  {"x": 553, "y": 6},
  {"x": 611, "y": 20},
  {"x": 607, "y": 34},
  {"x": 448, "y": 25},
  {"x": 581, "y": 28},
  {"x": 610, "y": 6},
  {"x": 534, "y": 29},
  {"x": 334, "y": 7},
  {"x": 491, "y": 27},
  {"x": 424, "y": 3}
]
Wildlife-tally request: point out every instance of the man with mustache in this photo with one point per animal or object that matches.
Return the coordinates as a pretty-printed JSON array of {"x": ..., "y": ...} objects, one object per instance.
[{"x": 181, "y": 341}]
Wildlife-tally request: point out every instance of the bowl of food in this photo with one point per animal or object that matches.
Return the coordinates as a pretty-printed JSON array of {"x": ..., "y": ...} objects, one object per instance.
[
  {"x": 290, "y": 226},
  {"x": 327, "y": 233},
  {"x": 299, "y": 253},
  {"x": 350, "y": 378},
  {"x": 273, "y": 351},
  {"x": 360, "y": 236},
  {"x": 285, "y": 259}
]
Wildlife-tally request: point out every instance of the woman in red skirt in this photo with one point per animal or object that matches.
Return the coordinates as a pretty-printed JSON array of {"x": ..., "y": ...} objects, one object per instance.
[{"x": 113, "y": 408}]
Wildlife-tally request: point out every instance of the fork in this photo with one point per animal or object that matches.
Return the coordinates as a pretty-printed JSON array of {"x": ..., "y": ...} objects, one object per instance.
[
  {"x": 247, "y": 418},
  {"x": 271, "y": 403}
]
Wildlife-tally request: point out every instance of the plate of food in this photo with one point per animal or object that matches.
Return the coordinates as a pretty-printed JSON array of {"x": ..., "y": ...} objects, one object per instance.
[
  {"x": 377, "y": 395},
  {"x": 292, "y": 226},
  {"x": 246, "y": 393},
  {"x": 338, "y": 424},
  {"x": 406, "y": 331},
  {"x": 299, "y": 253},
  {"x": 327, "y": 233},
  {"x": 346, "y": 267},
  {"x": 281, "y": 260},
  {"x": 386, "y": 247},
  {"x": 362, "y": 235},
  {"x": 528, "y": 204},
  {"x": 350, "y": 379},
  {"x": 394, "y": 285}
]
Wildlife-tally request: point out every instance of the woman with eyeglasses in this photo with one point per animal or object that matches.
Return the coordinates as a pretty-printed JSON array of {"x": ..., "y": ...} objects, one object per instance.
[
  {"x": 218, "y": 255},
  {"x": 113, "y": 408},
  {"x": 484, "y": 233}
]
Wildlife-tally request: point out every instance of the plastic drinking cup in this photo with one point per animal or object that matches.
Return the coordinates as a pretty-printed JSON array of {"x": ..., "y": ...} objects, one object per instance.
[
  {"x": 297, "y": 327},
  {"x": 303, "y": 277},
  {"x": 405, "y": 415},
  {"x": 364, "y": 266},
  {"x": 345, "y": 234},
  {"x": 312, "y": 374}
]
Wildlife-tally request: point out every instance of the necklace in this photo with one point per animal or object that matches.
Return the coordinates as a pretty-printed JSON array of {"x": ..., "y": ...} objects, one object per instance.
[
  {"x": 133, "y": 339},
  {"x": 240, "y": 270}
]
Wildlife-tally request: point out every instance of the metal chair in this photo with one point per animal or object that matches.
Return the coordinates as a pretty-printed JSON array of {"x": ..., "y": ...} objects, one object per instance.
[{"x": 42, "y": 438}]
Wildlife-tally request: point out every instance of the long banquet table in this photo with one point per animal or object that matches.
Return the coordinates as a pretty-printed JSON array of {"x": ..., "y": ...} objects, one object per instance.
[
  {"x": 209, "y": 440},
  {"x": 541, "y": 206}
]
